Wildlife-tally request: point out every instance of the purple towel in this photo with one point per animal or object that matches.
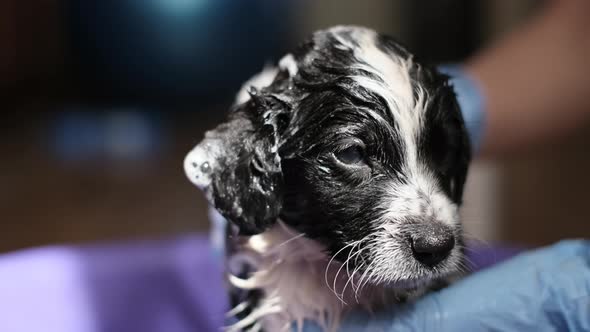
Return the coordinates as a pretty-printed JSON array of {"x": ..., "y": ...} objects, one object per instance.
[{"x": 147, "y": 286}]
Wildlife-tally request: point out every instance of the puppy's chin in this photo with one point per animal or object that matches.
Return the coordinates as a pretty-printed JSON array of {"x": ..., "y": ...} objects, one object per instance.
[
  {"x": 412, "y": 288},
  {"x": 399, "y": 270}
]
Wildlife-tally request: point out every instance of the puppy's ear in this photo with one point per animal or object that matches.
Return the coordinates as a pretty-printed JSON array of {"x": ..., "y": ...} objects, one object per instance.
[{"x": 238, "y": 165}]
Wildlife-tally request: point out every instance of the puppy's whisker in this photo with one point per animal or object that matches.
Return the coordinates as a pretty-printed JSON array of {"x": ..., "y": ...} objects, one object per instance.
[
  {"x": 333, "y": 289},
  {"x": 363, "y": 281},
  {"x": 356, "y": 287},
  {"x": 290, "y": 240},
  {"x": 360, "y": 248},
  {"x": 340, "y": 270},
  {"x": 350, "y": 277},
  {"x": 362, "y": 265}
]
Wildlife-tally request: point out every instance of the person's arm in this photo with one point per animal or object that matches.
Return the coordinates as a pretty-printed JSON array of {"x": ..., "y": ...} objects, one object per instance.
[{"x": 536, "y": 81}]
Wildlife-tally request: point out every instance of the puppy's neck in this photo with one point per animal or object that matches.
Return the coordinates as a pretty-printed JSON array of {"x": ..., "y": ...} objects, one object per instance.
[{"x": 299, "y": 282}]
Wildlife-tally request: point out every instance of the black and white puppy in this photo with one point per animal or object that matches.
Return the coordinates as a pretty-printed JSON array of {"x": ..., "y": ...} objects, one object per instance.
[{"x": 341, "y": 173}]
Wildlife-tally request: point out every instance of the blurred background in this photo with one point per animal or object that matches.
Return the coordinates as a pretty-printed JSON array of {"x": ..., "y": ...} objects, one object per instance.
[{"x": 102, "y": 100}]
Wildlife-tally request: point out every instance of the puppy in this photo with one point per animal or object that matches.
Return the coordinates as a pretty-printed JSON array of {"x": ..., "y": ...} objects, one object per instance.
[{"x": 341, "y": 172}]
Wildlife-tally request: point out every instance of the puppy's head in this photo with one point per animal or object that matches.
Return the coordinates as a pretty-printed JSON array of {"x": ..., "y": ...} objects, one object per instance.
[{"x": 352, "y": 143}]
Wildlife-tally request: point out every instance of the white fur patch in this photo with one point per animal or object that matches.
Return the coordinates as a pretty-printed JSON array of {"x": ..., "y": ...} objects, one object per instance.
[
  {"x": 258, "y": 81},
  {"x": 289, "y": 64},
  {"x": 266, "y": 77},
  {"x": 396, "y": 86},
  {"x": 199, "y": 164},
  {"x": 420, "y": 197},
  {"x": 300, "y": 282}
]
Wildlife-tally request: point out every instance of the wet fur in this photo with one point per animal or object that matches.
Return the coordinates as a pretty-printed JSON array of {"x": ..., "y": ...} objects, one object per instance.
[{"x": 309, "y": 237}]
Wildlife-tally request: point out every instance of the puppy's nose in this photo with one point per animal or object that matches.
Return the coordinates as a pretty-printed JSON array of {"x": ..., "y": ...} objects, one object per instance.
[{"x": 431, "y": 242}]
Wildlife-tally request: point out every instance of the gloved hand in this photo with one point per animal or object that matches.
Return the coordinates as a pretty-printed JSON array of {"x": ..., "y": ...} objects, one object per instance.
[{"x": 542, "y": 290}]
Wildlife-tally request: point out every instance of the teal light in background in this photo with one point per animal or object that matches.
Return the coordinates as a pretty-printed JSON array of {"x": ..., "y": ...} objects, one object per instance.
[
  {"x": 173, "y": 50},
  {"x": 180, "y": 7}
]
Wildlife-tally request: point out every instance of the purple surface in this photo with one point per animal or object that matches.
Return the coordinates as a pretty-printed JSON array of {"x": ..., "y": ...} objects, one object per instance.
[
  {"x": 481, "y": 257},
  {"x": 148, "y": 286}
]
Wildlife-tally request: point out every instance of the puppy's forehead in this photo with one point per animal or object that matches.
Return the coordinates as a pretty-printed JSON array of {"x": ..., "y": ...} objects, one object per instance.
[
  {"x": 379, "y": 66},
  {"x": 389, "y": 68}
]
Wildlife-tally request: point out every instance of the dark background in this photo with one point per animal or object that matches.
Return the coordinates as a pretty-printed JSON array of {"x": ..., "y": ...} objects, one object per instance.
[{"x": 102, "y": 100}]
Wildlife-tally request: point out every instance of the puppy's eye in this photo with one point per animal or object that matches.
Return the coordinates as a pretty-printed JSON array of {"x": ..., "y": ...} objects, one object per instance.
[{"x": 353, "y": 155}]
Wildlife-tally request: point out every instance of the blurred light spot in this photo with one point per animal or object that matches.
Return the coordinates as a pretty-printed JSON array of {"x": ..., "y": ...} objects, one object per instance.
[
  {"x": 113, "y": 135},
  {"x": 129, "y": 135},
  {"x": 180, "y": 7},
  {"x": 77, "y": 137}
]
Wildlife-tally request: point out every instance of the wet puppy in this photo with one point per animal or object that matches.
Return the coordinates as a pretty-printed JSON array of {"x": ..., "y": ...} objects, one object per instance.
[{"x": 341, "y": 172}]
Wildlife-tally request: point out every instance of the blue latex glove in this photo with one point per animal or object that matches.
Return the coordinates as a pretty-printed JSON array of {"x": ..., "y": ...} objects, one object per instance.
[{"x": 542, "y": 290}]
